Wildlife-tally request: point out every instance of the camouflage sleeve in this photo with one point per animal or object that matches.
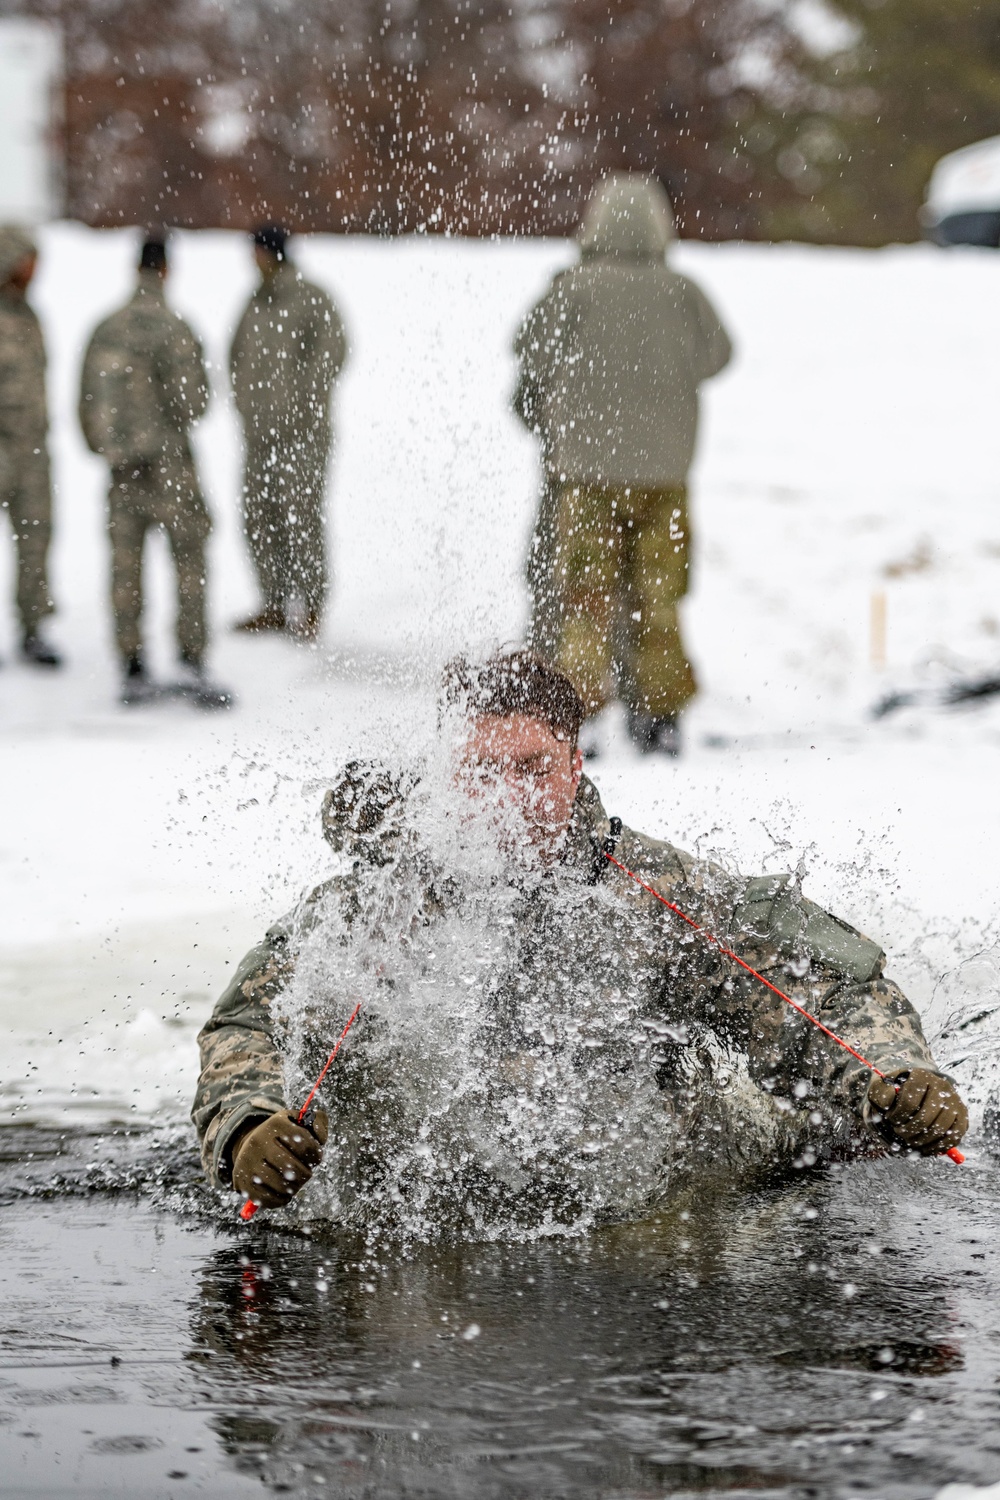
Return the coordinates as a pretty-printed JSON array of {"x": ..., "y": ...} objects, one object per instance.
[
  {"x": 241, "y": 1077},
  {"x": 184, "y": 380},
  {"x": 102, "y": 364},
  {"x": 837, "y": 975},
  {"x": 824, "y": 965},
  {"x": 322, "y": 342},
  {"x": 238, "y": 356}
]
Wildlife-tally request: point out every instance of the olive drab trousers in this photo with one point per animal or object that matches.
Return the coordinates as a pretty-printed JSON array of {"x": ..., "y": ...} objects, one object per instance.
[
  {"x": 26, "y": 496},
  {"x": 159, "y": 494},
  {"x": 284, "y": 489},
  {"x": 621, "y": 568}
]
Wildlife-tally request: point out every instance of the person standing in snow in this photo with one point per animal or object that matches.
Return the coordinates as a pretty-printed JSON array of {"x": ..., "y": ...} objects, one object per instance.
[
  {"x": 143, "y": 387},
  {"x": 288, "y": 350},
  {"x": 25, "y": 485},
  {"x": 611, "y": 360}
]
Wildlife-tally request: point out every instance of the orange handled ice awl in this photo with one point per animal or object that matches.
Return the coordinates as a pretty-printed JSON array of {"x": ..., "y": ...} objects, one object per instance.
[
  {"x": 954, "y": 1153},
  {"x": 250, "y": 1207}
]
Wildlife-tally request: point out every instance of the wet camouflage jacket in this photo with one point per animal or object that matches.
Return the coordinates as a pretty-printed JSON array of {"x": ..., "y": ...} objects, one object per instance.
[
  {"x": 287, "y": 351},
  {"x": 23, "y": 411},
  {"x": 825, "y": 965},
  {"x": 144, "y": 382}
]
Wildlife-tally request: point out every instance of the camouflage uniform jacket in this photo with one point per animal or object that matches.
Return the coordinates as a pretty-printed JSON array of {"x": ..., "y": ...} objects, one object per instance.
[
  {"x": 287, "y": 351},
  {"x": 23, "y": 411},
  {"x": 144, "y": 381},
  {"x": 825, "y": 965}
]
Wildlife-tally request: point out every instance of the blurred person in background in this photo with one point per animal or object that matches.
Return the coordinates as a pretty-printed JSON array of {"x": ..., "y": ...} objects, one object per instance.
[
  {"x": 288, "y": 350},
  {"x": 610, "y": 362},
  {"x": 25, "y": 483},
  {"x": 143, "y": 387}
]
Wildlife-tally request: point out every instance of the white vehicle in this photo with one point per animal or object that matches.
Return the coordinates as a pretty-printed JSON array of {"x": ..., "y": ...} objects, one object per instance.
[{"x": 962, "y": 206}]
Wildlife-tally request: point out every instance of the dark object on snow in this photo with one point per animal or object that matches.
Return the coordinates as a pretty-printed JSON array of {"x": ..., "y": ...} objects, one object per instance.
[
  {"x": 36, "y": 650},
  {"x": 967, "y": 691},
  {"x": 654, "y": 735}
]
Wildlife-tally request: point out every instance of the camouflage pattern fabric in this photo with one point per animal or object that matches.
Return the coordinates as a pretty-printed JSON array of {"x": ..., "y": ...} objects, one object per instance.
[
  {"x": 621, "y": 565},
  {"x": 144, "y": 382},
  {"x": 283, "y": 501},
  {"x": 143, "y": 386},
  {"x": 540, "y": 573},
  {"x": 25, "y": 484},
  {"x": 162, "y": 494},
  {"x": 287, "y": 351},
  {"x": 800, "y": 1076}
]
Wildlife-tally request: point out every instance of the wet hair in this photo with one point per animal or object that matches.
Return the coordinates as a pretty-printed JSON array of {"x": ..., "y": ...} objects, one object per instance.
[
  {"x": 272, "y": 238},
  {"x": 515, "y": 682},
  {"x": 153, "y": 255}
]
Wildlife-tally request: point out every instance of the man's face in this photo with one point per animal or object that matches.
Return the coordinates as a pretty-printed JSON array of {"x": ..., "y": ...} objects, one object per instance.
[{"x": 518, "y": 762}]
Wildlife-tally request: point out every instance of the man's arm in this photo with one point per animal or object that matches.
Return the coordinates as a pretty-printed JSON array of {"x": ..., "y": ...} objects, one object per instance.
[
  {"x": 241, "y": 1082},
  {"x": 183, "y": 374},
  {"x": 837, "y": 975},
  {"x": 825, "y": 966},
  {"x": 322, "y": 349},
  {"x": 539, "y": 347},
  {"x": 713, "y": 347}
]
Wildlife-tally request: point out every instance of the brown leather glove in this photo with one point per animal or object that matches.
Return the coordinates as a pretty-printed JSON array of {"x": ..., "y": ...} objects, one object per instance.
[
  {"x": 274, "y": 1159},
  {"x": 919, "y": 1109}
]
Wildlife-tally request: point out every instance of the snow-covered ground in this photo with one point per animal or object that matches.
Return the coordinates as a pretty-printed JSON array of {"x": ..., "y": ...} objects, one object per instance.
[{"x": 852, "y": 449}]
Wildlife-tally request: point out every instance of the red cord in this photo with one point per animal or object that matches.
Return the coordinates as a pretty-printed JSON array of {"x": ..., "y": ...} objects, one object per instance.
[{"x": 250, "y": 1207}]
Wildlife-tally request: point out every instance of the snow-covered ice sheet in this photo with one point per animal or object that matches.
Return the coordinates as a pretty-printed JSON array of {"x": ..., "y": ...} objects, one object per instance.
[{"x": 851, "y": 449}]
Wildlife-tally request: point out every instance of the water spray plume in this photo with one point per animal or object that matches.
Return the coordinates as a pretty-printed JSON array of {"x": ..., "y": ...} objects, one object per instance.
[
  {"x": 713, "y": 941},
  {"x": 250, "y": 1207}
]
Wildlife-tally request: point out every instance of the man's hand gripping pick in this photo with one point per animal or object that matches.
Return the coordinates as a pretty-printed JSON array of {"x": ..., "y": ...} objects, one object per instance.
[
  {"x": 276, "y": 1158},
  {"x": 919, "y": 1109}
]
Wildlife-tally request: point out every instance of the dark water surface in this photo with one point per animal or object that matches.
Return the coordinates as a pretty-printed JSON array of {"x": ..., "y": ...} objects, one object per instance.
[{"x": 836, "y": 1336}]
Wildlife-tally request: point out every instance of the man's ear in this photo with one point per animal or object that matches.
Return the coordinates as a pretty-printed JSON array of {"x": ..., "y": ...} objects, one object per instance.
[{"x": 577, "y": 767}]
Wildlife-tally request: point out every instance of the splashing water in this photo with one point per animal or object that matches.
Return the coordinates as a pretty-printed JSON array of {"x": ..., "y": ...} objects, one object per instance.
[{"x": 511, "y": 1073}]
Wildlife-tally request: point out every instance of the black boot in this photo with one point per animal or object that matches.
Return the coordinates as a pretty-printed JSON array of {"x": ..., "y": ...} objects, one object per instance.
[
  {"x": 136, "y": 686},
  {"x": 653, "y": 735},
  {"x": 38, "y": 651},
  {"x": 194, "y": 685}
]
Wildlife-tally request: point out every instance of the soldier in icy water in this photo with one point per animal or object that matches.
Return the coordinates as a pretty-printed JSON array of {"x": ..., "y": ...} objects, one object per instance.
[
  {"x": 25, "y": 486},
  {"x": 142, "y": 389},
  {"x": 610, "y": 362},
  {"x": 540, "y": 1040},
  {"x": 287, "y": 352}
]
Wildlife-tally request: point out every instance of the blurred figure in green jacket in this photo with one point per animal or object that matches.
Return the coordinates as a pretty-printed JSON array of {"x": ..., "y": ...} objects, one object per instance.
[
  {"x": 611, "y": 360},
  {"x": 288, "y": 350},
  {"x": 143, "y": 387},
  {"x": 25, "y": 486}
]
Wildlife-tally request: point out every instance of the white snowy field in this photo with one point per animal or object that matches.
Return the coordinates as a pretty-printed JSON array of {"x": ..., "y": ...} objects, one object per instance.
[{"x": 851, "y": 449}]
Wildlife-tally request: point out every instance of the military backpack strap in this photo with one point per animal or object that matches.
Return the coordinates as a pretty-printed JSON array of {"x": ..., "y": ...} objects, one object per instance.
[{"x": 603, "y": 846}]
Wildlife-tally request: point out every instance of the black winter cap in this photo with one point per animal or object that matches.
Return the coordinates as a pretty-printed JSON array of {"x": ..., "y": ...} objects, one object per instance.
[{"x": 272, "y": 237}]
